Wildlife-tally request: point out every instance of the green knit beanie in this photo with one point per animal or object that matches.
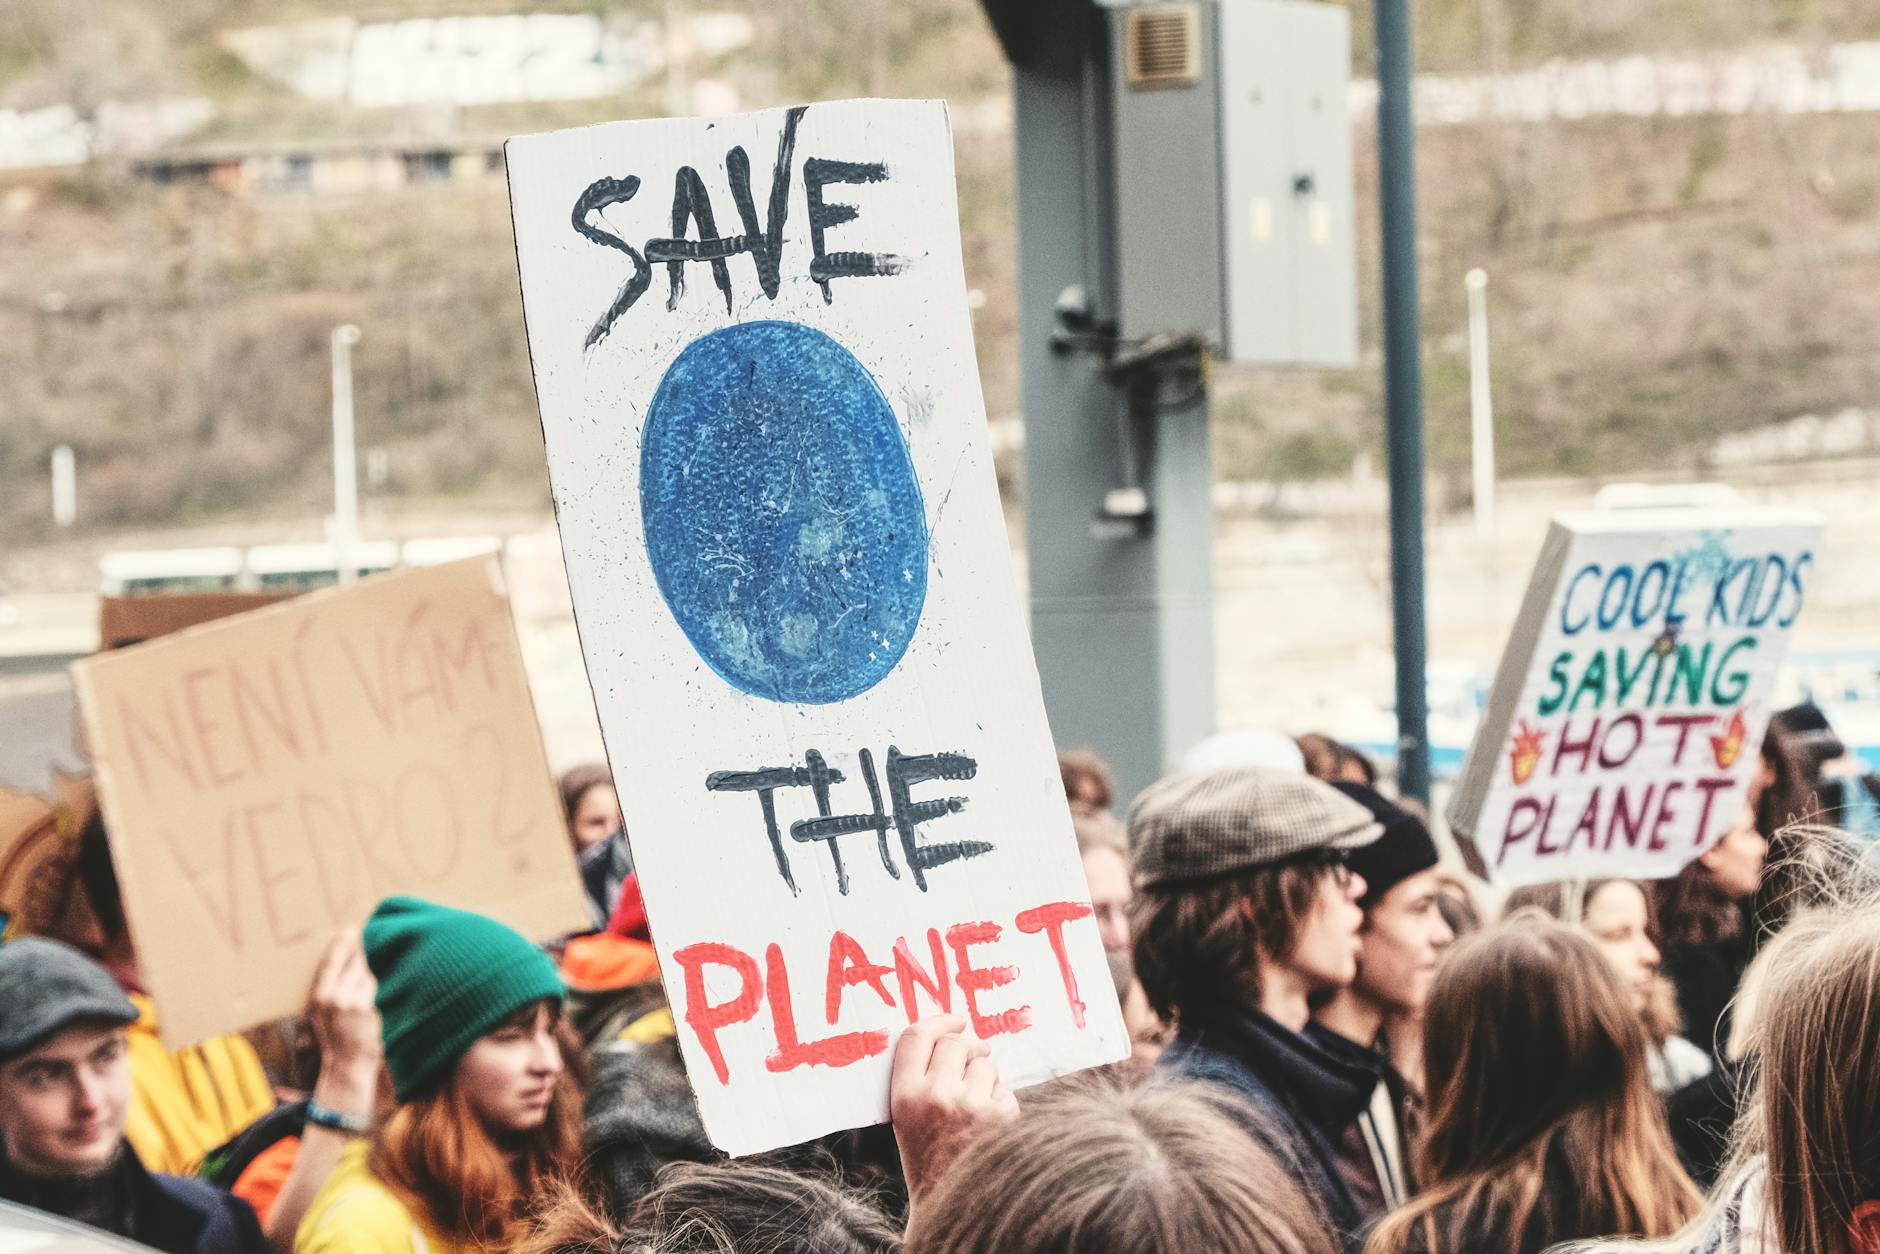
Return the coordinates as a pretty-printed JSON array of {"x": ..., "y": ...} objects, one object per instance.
[{"x": 446, "y": 977}]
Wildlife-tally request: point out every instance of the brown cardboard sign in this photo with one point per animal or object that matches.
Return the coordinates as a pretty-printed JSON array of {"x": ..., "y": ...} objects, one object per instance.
[{"x": 269, "y": 777}]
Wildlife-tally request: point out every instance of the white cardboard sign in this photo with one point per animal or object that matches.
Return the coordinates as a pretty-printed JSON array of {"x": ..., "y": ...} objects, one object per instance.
[
  {"x": 1629, "y": 709},
  {"x": 794, "y": 592}
]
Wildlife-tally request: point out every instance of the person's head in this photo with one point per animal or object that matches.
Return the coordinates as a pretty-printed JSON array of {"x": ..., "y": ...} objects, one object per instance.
[
  {"x": 1803, "y": 1171},
  {"x": 65, "y": 1081},
  {"x": 1090, "y": 1166},
  {"x": 1456, "y": 901},
  {"x": 488, "y": 1105},
  {"x": 1087, "y": 783},
  {"x": 1536, "y": 1061},
  {"x": 1615, "y": 914},
  {"x": 1242, "y": 880},
  {"x": 1818, "y": 1080},
  {"x": 1320, "y": 753},
  {"x": 1710, "y": 899},
  {"x": 1404, "y": 932},
  {"x": 1237, "y": 748},
  {"x": 740, "y": 1207},
  {"x": 589, "y": 803},
  {"x": 1355, "y": 768},
  {"x": 1104, "y": 847},
  {"x": 1734, "y": 865}
]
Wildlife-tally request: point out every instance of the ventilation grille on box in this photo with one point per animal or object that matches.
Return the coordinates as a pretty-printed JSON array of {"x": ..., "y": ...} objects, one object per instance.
[{"x": 1164, "y": 45}]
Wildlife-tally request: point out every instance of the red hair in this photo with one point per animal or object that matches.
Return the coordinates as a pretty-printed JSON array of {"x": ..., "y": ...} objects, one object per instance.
[{"x": 471, "y": 1185}]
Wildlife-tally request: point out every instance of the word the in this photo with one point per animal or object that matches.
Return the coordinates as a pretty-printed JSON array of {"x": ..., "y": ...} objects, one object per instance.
[
  {"x": 1751, "y": 592},
  {"x": 849, "y": 966},
  {"x": 1695, "y": 676},
  {"x": 764, "y": 242},
  {"x": 904, "y": 815}
]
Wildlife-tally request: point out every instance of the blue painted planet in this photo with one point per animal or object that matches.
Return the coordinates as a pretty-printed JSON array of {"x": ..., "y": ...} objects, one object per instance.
[{"x": 783, "y": 516}]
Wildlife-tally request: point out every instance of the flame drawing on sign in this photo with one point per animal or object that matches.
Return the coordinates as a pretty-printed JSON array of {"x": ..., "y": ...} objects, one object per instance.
[
  {"x": 1526, "y": 752},
  {"x": 1728, "y": 746}
]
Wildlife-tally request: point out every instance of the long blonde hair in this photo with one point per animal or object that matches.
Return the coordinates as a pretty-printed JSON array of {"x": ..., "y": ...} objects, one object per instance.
[
  {"x": 1808, "y": 1135},
  {"x": 1819, "y": 1080}
]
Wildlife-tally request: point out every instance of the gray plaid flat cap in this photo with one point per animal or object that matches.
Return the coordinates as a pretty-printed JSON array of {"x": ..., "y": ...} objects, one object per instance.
[
  {"x": 45, "y": 987},
  {"x": 1193, "y": 825}
]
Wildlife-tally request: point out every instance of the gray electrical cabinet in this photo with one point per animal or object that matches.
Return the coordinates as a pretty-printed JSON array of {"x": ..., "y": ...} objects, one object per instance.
[{"x": 1233, "y": 177}]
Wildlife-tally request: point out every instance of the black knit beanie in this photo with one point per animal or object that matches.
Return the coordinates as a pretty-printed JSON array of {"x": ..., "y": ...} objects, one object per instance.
[{"x": 1404, "y": 849}]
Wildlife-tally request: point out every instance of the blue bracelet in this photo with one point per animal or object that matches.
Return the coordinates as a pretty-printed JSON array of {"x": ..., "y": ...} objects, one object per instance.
[{"x": 325, "y": 1117}]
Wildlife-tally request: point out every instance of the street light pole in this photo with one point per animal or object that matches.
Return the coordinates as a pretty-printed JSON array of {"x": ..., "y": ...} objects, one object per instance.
[
  {"x": 345, "y": 458},
  {"x": 1403, "y": 392}
]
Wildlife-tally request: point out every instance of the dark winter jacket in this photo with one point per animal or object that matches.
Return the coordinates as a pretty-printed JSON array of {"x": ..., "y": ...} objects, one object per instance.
[
  {"x": 640, "y": 1116},
  {"x": 1706, "y": 975},
  {"x": 1701, "y": 1115},
  {"x": 1306, "y": 1097},
  {"x": 1374, "y": 1152},
  {"x": 174, "y": 1214}
]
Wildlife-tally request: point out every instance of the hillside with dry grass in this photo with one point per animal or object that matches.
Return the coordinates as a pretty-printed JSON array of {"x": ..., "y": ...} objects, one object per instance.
[{"x": 1654, "y": 281}]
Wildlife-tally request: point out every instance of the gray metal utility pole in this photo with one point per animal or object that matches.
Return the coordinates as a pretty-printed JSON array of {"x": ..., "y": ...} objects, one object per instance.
[
  {"x": 1118, "y": 505},
  {"x": 1403, "y": 391}
]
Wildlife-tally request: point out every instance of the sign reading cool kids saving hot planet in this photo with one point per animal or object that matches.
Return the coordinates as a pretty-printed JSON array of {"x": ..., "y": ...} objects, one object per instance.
[
  {"x": 794, "y": 592},
  {"x": 1628, "y": 714}
]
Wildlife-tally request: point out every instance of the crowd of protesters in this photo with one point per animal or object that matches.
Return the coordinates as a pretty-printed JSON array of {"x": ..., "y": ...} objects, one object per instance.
[{"x": 1344, "y": 1041}]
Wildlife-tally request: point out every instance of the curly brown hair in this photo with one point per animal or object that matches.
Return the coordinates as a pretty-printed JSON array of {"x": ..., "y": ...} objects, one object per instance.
[{"x": 1200, "y": 946}]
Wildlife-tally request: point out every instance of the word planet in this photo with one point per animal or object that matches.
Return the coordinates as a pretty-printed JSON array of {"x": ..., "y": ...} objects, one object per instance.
[{"x": 783, "y": 515}]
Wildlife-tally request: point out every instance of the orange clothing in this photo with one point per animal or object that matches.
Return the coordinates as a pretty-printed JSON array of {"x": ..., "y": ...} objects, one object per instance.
[
  {"x": 186, "y": 1102},
  {"x": 606, "y": 961},
  {"x": 261, "y": 1183}
]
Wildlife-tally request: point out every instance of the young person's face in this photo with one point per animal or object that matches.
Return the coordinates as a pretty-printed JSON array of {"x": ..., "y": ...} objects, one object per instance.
[
  {"x": 1614, "y": 915},
  {"x": 62, "y": 1105},
  {"x": 508, "y": 1077},
  {"x": 1403, "y": 936},
  {"x": 1108, "y": 875},
  {"x": 1325, "y": 951},
  {"x": 1735, "y": 863},
  {"x": 596, "y": 816}
]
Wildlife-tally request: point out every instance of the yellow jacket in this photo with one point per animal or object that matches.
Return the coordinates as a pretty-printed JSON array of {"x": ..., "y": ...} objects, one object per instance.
[
  {"x": 357, "y": 1214},
  {"x": 187, "y": 1102}
]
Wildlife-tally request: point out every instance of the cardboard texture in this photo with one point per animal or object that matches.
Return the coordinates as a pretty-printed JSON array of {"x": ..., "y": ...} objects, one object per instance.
[
  {"x": 134, "y": 619},
  {"x": 794, "y": 593},
  {"x": 267, "y": 778},
  {"x": 1628, "y": 712}
]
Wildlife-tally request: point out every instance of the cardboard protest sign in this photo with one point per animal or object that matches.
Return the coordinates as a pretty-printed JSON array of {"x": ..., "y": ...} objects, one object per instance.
[
  {"x": 793, "y": 587},
  {"x": 268, "y": 778},
  {"x": 1629, "y": 709}
]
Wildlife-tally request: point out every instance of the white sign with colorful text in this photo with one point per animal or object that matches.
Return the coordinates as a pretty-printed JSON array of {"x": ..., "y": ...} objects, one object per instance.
[
  {"x": 794, "y": 591},
  {"x": 1628, "y": 714}
]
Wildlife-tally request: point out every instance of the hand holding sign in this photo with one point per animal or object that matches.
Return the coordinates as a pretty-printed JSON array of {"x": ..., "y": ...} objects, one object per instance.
[{"x": 944, "y": 1093}]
